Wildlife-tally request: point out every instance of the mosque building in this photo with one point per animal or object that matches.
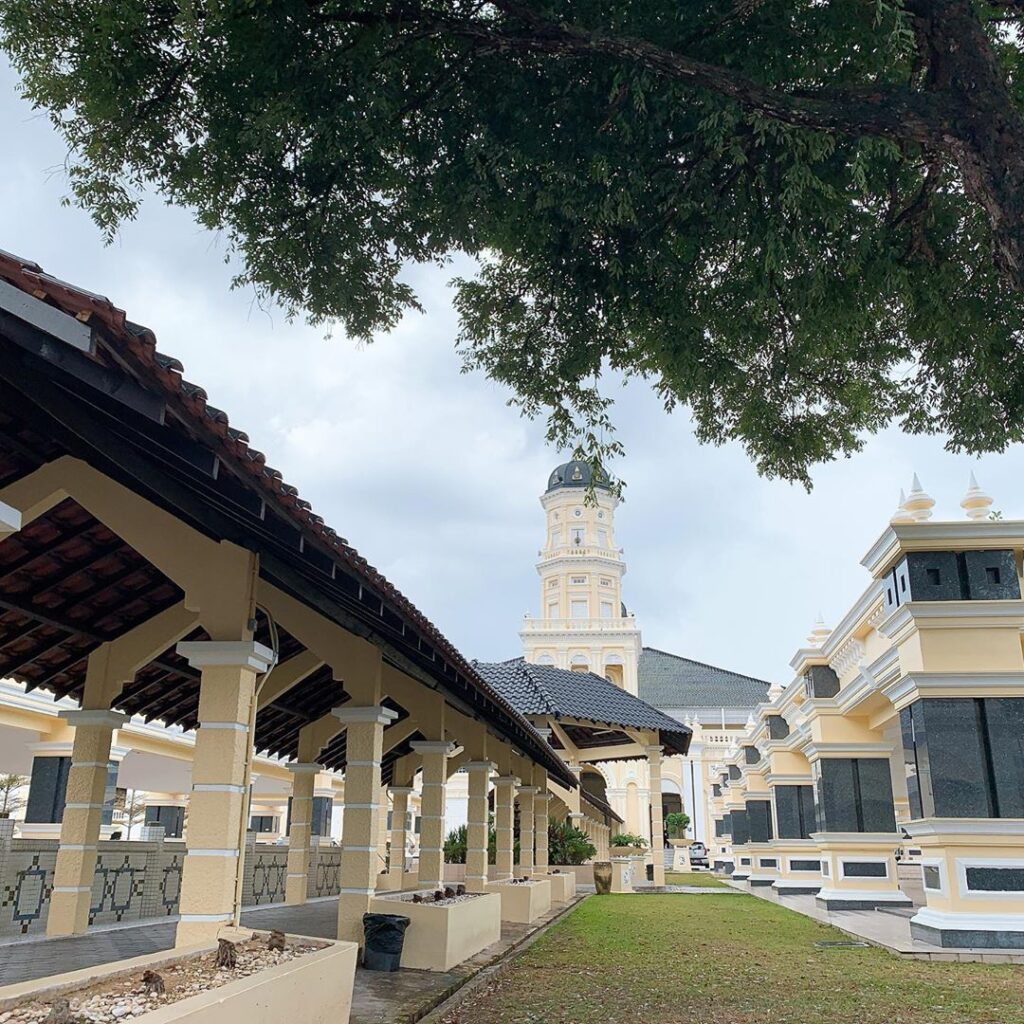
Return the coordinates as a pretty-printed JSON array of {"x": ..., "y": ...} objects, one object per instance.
[{"x": 584, "y": 627}]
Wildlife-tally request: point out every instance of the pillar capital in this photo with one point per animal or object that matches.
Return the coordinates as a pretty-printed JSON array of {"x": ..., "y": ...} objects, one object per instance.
[
  {"x": 305, "y": 768},
  {"x": 445, "y": 747},
  {"x": 489, "y": 766},
  {"x": 654, "y": 752},
  {"x": 226, "y": 654},
  {"x": 405, "y": 791},
  {"x": 528, "y": 790},
  {"x": 373, "y": 714},
  {"x": 113, "y": 719},
  {"x": 506, "y": 780}
]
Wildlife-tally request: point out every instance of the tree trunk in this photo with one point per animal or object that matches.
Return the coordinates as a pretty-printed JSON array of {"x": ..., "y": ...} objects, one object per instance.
[{"x": 977, "y": 122}]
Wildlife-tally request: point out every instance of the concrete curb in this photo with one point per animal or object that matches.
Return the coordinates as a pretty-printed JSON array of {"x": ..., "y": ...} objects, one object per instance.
[{"x": 451, "y": 997}]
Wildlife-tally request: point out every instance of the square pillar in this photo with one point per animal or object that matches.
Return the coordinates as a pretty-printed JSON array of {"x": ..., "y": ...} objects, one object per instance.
[
  {"x": 654, "y": 757},
  {"x": 83, "y": 815},
  {"x": 432, "y": 818},
  {"x": 399, "y": 818},
  {"x": 504, "y": 824},
  {"x": 300, "y": 832},
  {"x": 219, "y": 802},
  {"x": 477, "y": 831},
  {"x": 359, "y": 865},
  {"x": 526, "y": 812},
  {"x": 540, "y": 831}
]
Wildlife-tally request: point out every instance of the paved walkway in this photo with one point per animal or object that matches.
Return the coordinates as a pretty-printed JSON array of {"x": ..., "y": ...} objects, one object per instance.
[
  {"x": 888, "y": 928},
  {"x": 378, "y": 997}
]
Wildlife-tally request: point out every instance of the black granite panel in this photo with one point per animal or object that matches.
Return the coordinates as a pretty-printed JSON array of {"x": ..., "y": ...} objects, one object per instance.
[
  {"x": 794, "y": 811},
  {"x": 172, "y": 819},
  {"x": 991, "y": 576},
  {"x": 109, "y": 794},
  {"x": 719, "y": 827},
  {"x": 716, "y": 789},
  {"x": 759, "y": 821},
  {"x": 877, "y": 813},
  {"x": 1004, "y": 719},
  {"x": 929, "y": 576},
  {"x": 751, "y": 755},
  {"x": 837, "y": 795},
  {"x": 911, "y": 755},
  {"x": 932, "y": 877},
  {"x": 734, "y": 772},
  {"x": 821, "y": 681},
  {"x": 985, "y": 879},
  {"x": 745, "y": 862},
  {"x": 740, "y": 828},
  {"x": 778, "y": 727},
  {"x": 865, "y": 869},
  {"x": 956, "y": 783},
  {"x": 321, "y": 818},
  {"x": 47, "y": 786},
  {"x": 805, "y": 865},
  {"x": 963, "y": 938},
  {"x": 727, "y": 823},
  {"x": 767, "y": 862}
]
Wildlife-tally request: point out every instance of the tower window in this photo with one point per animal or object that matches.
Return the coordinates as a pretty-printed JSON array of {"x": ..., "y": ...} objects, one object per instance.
[
  {"x": 606, "y": 609},
  {"x": 577, "y": 580},
  {"x": 578, "y": 609},
  {"x": 605, "y": 581},
  {"x": 577, "y": 535},
  {"x": 602, "y": 538},
  {"x": 553, "y": 583}
]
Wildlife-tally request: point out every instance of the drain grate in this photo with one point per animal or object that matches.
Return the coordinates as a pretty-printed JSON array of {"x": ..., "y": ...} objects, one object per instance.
[{"x": 843, "y": 945}]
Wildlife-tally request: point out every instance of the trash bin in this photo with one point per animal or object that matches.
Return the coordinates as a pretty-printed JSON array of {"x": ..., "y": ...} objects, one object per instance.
[
  {"x": 384, "y": 937},
  {"x": 650, "y": 872}
]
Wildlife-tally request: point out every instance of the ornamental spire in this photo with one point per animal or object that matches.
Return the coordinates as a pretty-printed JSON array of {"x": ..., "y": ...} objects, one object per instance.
[
  {"x": 976, "y": 502},
  {"x": 919, "y": 504},
  {"x": 901, "y": 515}
]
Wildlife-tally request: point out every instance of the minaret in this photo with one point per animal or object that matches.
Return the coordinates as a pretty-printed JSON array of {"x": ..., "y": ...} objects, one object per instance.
[{"x": 583, "y": 624}]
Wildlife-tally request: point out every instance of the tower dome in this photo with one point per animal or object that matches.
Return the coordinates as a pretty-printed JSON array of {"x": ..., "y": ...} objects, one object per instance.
[{"x": 576, "y": 474}]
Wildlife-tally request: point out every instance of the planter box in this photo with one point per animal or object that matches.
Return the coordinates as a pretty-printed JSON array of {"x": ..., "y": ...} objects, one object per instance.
[
  {"x": 563, "y": 885},
  {"x": 440, "y": 938},
  {"x": 390, "y": 881},
  {"x": 523, "y": 902},
  {"x": 584, "y": 873},
  {"x": 320, "y": 983}
]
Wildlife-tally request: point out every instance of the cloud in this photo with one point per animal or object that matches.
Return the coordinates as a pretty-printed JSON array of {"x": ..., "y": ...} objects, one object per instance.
[{"x": 435, "y": 479}]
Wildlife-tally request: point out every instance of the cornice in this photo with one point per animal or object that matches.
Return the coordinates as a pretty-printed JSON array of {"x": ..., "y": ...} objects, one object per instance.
[
  {"x": 953, "y": 615},
  {"x": 961, "y": 535}
]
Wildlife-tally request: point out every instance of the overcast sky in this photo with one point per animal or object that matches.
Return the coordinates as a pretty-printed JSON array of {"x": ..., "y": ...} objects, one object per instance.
[{"x": 431, "y": 476}]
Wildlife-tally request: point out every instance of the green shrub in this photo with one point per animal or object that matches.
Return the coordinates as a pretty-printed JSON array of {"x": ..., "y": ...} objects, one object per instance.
[
  {"x": 628, "y": 839},
  {"x": 677, "y": 823},
  {"x": 568, "y": 845}
]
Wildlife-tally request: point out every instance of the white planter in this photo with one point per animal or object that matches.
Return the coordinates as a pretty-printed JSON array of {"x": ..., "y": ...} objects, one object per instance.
[{"x": 320, "y": 983}]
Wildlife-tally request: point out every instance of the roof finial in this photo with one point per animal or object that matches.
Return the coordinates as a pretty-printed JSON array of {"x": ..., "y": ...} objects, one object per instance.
[
  {"x": 820, "y": 633},
  {"x": 775, "y": 691},
  {"x": 919, "y": 504},
  {"x": 975, "y": 502},
  {"x": 901, "y": 515}
]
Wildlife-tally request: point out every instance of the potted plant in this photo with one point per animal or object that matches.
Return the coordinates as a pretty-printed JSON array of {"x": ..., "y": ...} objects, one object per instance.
[
  {"x": 677, "y": 823},
  {"x": 627, "y": 843},
  {"x": 568, "y": 845}
]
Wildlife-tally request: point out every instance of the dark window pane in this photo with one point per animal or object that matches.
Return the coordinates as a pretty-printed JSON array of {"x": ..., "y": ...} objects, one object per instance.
[
  {"x": 321, "y": 819},
  {"x": 932, "y": 877},
  {"x": 805, "y": 865},
  {"x": 1005, "y": 720},
  {"x": 808, "y": 818},
  {"x": 46, "y": 789},
  {"x": 877, "y": 813}
]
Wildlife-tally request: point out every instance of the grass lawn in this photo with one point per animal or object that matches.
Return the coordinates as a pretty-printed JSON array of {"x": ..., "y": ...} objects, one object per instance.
[
  {"x": 699, "y": 878},
  {"x": 728, "y": 960}
]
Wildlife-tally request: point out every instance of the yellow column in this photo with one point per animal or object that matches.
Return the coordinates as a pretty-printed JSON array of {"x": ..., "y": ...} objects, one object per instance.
[
  {"x": 540, "y": 827},
  {"x": 303, "y": 780},
  {"x": 654, "y": 758},
  {"x": 359, "y": 864},
  {"x": 435, "y": 776},
  {"x": 218, "y": 801},
  {"x": 399, "y": 814},
  {"x": 479, "y": 773},
  {"x": 504, "y": 825},
  {"x": 526, "y": 811},
  {"x": 80, "y": 826}
]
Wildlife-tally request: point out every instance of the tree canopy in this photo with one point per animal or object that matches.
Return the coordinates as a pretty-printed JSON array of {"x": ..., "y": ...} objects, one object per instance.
[{"x": 802, "y": 219}]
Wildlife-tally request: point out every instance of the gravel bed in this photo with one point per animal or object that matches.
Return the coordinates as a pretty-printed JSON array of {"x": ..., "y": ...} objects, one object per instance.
[{"x": 125, "y": 997}]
